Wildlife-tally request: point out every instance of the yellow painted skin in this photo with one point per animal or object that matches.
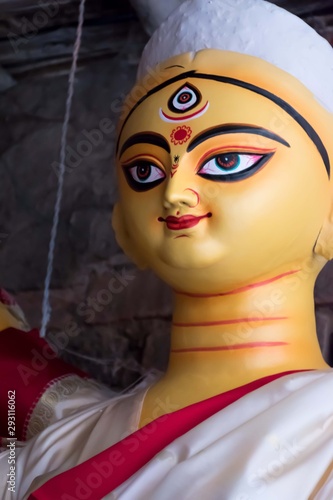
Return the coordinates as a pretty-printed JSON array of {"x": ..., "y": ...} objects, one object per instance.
[
  {"x": 243, "y": 276},
  {"x": 7, "y": 319}
]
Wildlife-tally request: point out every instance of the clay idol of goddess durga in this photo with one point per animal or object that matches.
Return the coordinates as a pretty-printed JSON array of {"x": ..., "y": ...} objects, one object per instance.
[{"x": 224, "y": 156}]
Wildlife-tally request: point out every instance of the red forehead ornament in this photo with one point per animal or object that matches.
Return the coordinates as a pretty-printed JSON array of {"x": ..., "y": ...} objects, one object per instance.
[{"x": 180, "y": 135}]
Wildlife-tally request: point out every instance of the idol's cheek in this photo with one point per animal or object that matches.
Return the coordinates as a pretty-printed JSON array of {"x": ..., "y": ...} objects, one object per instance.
[{"x": 124, "y": 238}]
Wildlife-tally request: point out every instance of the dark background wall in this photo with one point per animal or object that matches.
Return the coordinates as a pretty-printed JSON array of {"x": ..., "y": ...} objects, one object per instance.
[{"x": 108, "y": 317}]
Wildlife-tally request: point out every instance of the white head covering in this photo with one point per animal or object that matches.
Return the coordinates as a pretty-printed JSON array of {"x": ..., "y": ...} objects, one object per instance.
[{"x": 252, "y": 27}]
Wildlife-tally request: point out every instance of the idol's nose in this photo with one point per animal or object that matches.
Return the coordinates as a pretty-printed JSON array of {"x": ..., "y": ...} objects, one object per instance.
[{"x": 179, "y": 194}]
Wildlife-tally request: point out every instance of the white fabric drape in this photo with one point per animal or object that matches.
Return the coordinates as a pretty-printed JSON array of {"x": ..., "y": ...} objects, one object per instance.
[{"x": 274, "y": 443}]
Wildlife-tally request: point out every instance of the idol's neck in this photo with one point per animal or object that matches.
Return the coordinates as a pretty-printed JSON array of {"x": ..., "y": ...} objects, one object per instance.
[
  {"x": 227, "y": 340},
  {"x": 265, "y": 327}
]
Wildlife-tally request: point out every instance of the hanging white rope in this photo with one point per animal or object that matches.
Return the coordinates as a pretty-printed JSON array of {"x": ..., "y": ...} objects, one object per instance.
[{"x": 46, "y": 308}]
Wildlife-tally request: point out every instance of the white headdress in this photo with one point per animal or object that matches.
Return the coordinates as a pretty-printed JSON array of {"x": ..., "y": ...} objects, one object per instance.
[{"x": 254, "y": 27}]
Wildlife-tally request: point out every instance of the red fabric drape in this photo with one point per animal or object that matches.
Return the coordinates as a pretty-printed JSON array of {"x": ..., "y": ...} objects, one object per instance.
[{"x": 27, "y": 366}]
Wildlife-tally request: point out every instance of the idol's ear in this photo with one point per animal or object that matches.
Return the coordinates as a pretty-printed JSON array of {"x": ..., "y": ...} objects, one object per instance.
[
  {"x": 324, "y": 244},
  {"x": 123, "y": 238}
]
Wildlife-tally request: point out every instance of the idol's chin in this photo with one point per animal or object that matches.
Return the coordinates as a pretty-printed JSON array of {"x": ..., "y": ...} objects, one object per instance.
[{"x": 187, "y": 255}]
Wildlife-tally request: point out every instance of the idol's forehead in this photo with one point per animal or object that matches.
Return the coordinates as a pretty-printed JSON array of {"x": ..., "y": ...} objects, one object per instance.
[
  {"x": 161, "y": 99},
  {"x": 196, "y": 91},
  {"x": 189, "y": 106}
]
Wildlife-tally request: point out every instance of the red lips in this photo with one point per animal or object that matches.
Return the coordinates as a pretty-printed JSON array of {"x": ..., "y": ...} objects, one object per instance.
[{"x": 184, "y": 222}]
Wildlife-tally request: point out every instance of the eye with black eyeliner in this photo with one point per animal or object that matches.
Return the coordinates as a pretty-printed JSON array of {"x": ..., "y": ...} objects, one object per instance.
[
  {"x": 143, "y": 175},
  {"x": 232, "y": 166}
]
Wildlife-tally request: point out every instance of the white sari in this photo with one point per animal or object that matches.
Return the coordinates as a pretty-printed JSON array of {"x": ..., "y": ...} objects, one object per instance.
[{"x": 273, "y": 443}]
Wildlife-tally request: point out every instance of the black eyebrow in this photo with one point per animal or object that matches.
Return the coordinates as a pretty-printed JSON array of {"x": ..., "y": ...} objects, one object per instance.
[
  {"x": 308, "y": 129},
  {"x": 230, "y": 129},
  {"x": 146, "y": 138},
  {"x": 175, "y": 66}
]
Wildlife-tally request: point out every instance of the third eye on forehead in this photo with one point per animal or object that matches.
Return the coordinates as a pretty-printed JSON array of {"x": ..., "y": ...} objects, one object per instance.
[{"x": 186, "y": 98}]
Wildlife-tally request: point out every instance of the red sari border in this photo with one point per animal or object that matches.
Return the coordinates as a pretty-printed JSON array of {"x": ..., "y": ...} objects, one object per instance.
[{"x": 106, "y": 471}]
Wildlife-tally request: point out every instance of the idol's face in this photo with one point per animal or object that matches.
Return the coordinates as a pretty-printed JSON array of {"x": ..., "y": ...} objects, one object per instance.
[{"x": 219, "y": 185}]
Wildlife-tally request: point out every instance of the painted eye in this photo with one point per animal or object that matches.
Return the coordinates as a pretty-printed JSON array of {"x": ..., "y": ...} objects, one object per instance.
[
  {"x": 184, "y": 99},
  {"x": 232, "y": 166},
  {"x": 143, "y": 175}
]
